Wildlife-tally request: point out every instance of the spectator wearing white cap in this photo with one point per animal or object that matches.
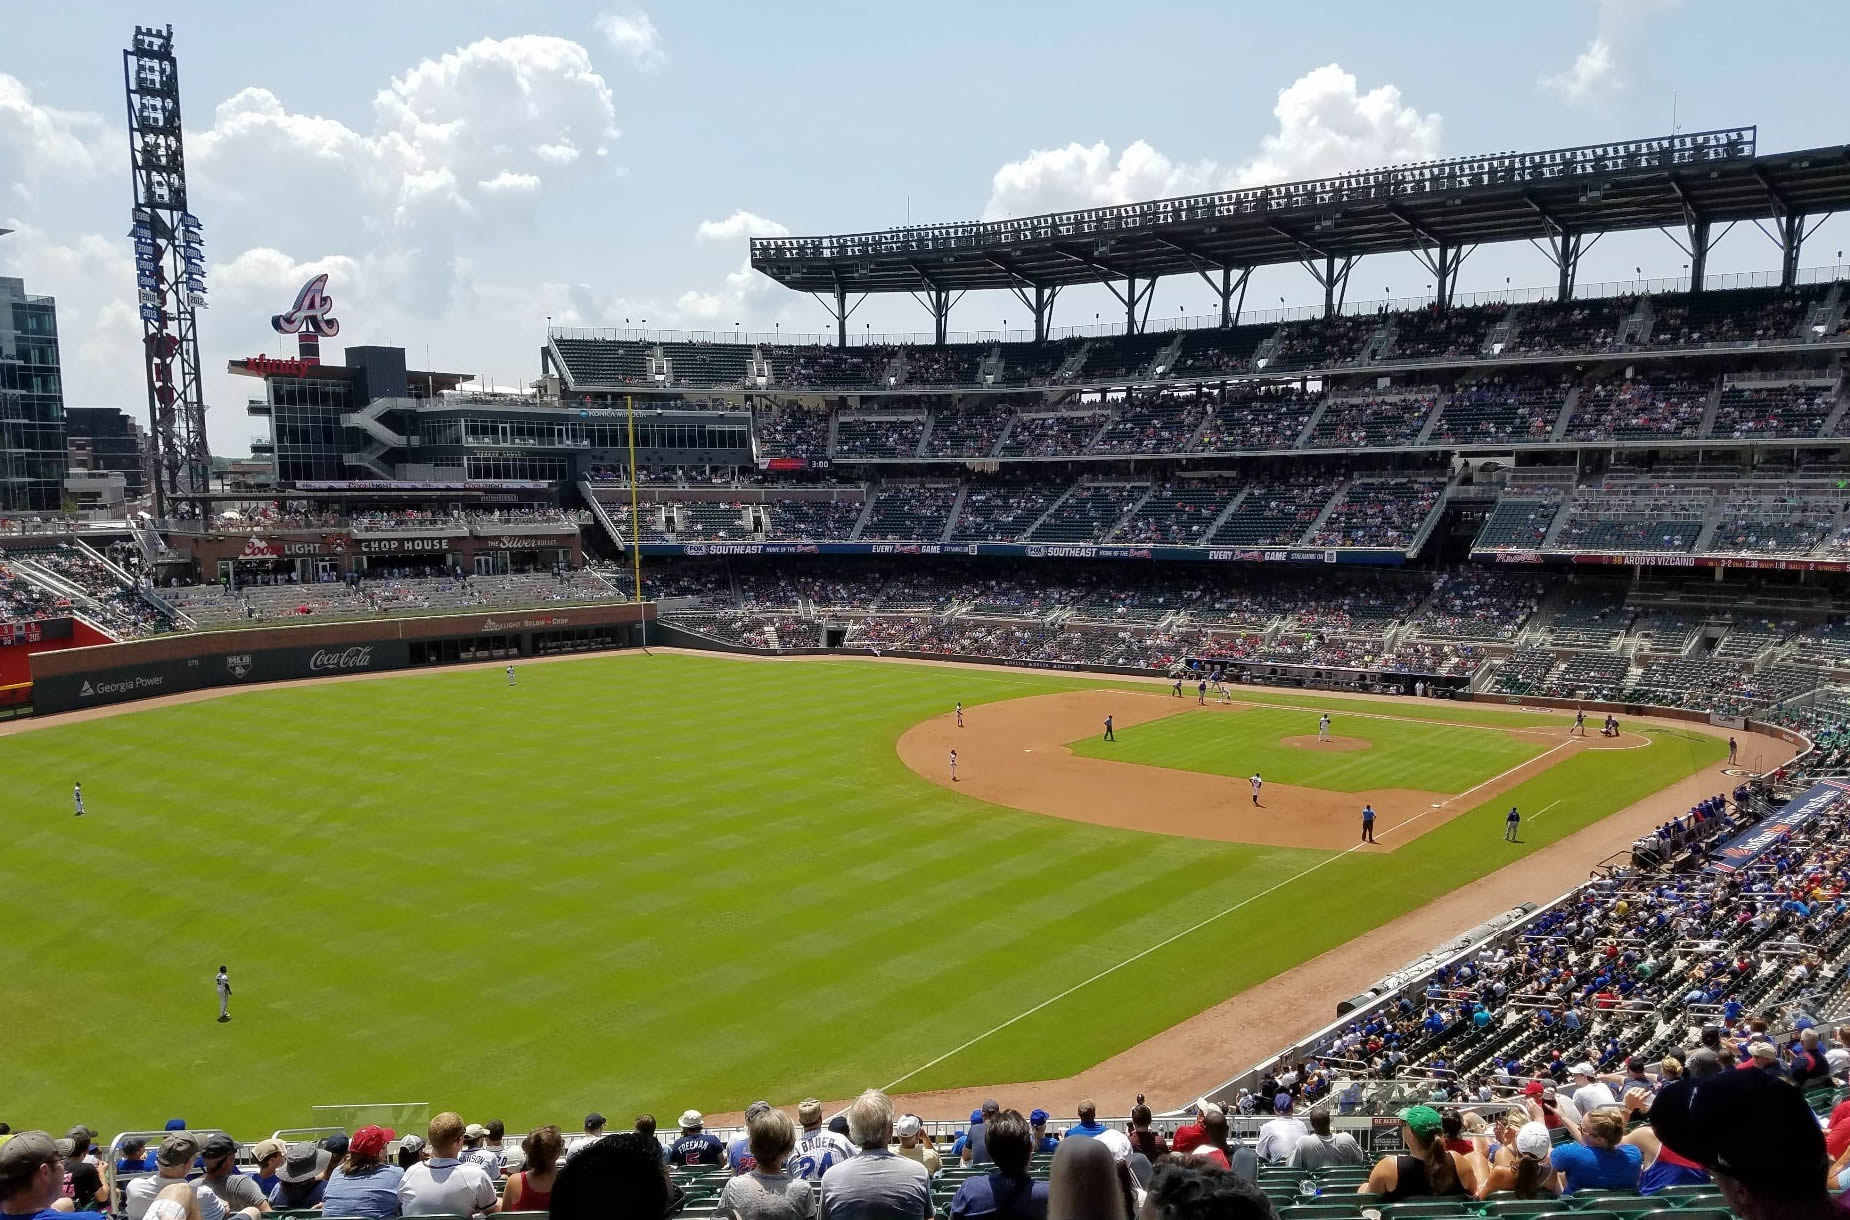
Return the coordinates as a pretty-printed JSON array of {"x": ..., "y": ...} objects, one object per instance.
[
  {"x": 695, "y": 1146},
  {"x": 1590, "y": 1092},
  {"x": 477, "y": 1152},
  {"x": 875, "y": 1183},
  {"x": 915, "y": 1145},
  {"x": 1527, "y": 1173}
]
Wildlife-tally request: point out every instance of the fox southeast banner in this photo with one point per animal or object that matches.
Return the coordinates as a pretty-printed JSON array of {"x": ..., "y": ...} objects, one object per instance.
[{"x": 1748, "y": 846}]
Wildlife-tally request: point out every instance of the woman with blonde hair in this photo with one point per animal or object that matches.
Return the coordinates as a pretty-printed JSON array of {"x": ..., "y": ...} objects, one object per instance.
[
  {"x": 768, "y": 1191},
  {"x": 530, "y": 1190},
  {"x": 1599, "y": 1159}
]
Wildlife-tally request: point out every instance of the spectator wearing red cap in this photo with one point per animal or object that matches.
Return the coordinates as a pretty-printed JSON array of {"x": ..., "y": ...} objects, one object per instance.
[{"x": 365, "y": 1185}]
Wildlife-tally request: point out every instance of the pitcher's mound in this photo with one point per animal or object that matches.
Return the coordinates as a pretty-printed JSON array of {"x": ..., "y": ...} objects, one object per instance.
[{"x": 1338, "y": 744}]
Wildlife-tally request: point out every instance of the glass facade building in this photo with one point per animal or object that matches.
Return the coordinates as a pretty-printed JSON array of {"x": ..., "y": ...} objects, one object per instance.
[
  {"x": 305, "y": 424},
  {"x": 32, "y": 447}
]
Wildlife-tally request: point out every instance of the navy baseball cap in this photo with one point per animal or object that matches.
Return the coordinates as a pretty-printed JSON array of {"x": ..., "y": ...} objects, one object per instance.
[{"x": 1747, "y": 1124}]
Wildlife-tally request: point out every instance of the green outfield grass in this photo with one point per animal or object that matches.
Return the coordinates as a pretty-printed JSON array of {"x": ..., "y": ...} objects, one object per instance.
[
  {"x": 1404, "y": 753},
  {"x": 631, "y": 883}
]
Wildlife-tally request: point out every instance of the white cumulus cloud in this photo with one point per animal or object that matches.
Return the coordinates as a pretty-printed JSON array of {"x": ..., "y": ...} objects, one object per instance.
[
  {"x": 741, "y": 224},
  {"x": 1597, "y": 73},
  {"x": 634, "y": 36},
  {"x": 1325, "y": 124},
  {"x": 38, "y": 141}
]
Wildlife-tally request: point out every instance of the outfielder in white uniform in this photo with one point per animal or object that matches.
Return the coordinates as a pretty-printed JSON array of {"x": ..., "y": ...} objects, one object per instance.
[
  {"x": 77, "y": 793},
  {"x": 953, "y": 766},
  {"x": 1257, "y": 784},
  {"x": 1323, "y": 727},
  {"x": 224, "y": 994},
  {"x": 510, "y": 675}
]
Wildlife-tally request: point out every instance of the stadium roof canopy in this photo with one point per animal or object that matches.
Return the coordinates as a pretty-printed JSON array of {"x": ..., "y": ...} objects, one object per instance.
[{"x": 1697, "y": 183}]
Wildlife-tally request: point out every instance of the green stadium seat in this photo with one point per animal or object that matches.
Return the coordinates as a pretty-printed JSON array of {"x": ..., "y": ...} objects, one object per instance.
[
  {"x": 1701, "y": 1194},
  {"x": 1421, "y": 1209},
  {"x": 1319, "y": 1211},
  {"x": 1523, "y": 1207}
]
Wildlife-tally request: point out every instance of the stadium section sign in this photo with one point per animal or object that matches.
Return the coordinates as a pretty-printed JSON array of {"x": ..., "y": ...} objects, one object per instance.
[{"x": 1742, "y": 850}]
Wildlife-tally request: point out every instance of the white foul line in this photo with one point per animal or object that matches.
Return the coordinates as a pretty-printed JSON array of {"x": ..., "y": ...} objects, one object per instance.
[
  {"x": 1545, "y": 809},
  {"x": 1136, "y": 957}
]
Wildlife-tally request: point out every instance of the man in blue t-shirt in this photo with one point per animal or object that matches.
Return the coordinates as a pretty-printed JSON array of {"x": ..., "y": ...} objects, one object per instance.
[
  {"x": 1088, "y": 1124},
  {"x": 695, "y": 1146}
]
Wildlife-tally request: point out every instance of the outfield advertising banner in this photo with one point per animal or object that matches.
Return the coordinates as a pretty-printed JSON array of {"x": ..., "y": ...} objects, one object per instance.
[
  {"x": 1035, "y": 550},
  {"x": 149, "y": 679},
  {"x": 1742, "y": 850}
]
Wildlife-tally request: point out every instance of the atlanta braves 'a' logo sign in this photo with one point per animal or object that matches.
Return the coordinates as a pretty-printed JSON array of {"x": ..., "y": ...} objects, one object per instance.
[{"x": 313, "y": 307}]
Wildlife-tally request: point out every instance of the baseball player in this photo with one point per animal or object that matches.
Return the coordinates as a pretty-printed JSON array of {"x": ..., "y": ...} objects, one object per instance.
[
  {"x": 960, "y": 713},
  {"x": 1177, "y": 689},
  {"x": 224, "y": 994},
  {"x": 1733, "y": 746},
  {"x": 953, "y": 766},
  {"x": 1257, "y": 785},
  {"x": 1109, "y": 735},
  {"x": 1368, "y": 823},
  {"x": 1201, "y": 692},
  {"x": 1511, "y": 823},
  {"x": 1323, "y": 727},
  {"x": 510, "y": 675},
  {"x": 1580, "y": 721},
  {"x": 77, "y": 794}
]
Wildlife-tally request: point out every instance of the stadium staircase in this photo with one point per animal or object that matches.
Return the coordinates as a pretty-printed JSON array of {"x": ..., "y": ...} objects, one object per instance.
[
  {"x": 931, "y": 420},
  {"x": 1634, "y": 329},
  {"x": 589, "y": 491},
  {"x": 1007, "y": 428},
  {"x": 1233, "y": 506},
  {"x": 989, "y": 370},
  {"x": 1708, "y": 425},
  {"x": 1130, "y": 514},
  {"x": 1072, "y": 364},
  {"x": 867, "y": 507},
  {"x": 1432, "y": 418},
  {"x": 1264, "y": 353},
  {"x": 1051, "y": 508},
  {"x": 147, "y": 593},
  {"x": 1379, "y": 343},
  {"x": 82, "y": 606},
  {"x": 834, "y": 431},
  {"x": 1165, "y": 360},
  {"x": 1417, "y": 543},
  {"x": 957, "y": 508},
  {"x": 1499, "y": 336},
  {"x": 1559, "y": 431},
  {"x": 1831, "y": 421},
  {"x": 1310, "y": 423},
  {"x": 1329, "y": 506}
]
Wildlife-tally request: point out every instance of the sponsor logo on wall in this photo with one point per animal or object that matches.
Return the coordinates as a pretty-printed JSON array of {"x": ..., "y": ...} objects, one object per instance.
[
  {"x": 238, "y": 665},
  {"x": 330, "y": 661}
]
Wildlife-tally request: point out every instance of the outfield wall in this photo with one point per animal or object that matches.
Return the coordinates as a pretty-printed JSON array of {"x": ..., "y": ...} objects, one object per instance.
[{"x": 103, "y": 674}]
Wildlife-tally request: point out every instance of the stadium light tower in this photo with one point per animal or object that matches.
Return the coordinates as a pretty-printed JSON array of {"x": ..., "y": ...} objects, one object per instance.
[{"x": 169, "y": 272}]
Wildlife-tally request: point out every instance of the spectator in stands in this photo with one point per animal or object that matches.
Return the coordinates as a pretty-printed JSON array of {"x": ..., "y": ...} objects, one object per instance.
[
  {"x": 1756, "y": 1136},
  {"x": 1143, "y": 1140},
  {"x": 1526, "y": 1171},
  {"x": 135, "y": 1157},
  {"x": 31, "y": 1176},
  {"x": 1216, "y": 1146},
  {"x": 818, "y": 1147},
  {"x": 1043, "y": 1142},
  {"x": 530, "y": 1189},
  {"x": 594, "y": 1130},
  {"x": 1279, "y": 1137},
  {"x": 1178, "y": 1192},
  {"x": 173, "y": 1161},
  {"x": 1600, "y": 1159},
  {"x": 645, "y": 1125},
  {"x": 302, "y": 1178},
  {"x": 476, "y": 1151},
  {"x": 1319, "y": 1149},
  {"x": 1590, "y": 1093},
  {"x": 364, "y": 1185},
  {"x": 915, "y": 1145},
  {"x": 696, "y": 1146},
  {"x": 1008, "y": 1191},
  {"x": 1085, "y": 1184},
  {"x": 87, "y": 1191},
  {"x": 767, "y": 1191},
  {"x": 617, "y": 1177},
  {"x": 176, "y": 1202},
  {"x": 269, "y": 1157},
  {"x": 875, "y": 1183},
  {"x": 238, "y": 1192},
  {"x": 446, "y": 1185},
  {"x": 494, "y": 1145},
  {"x": 1088, "y": 1123},
  {"x": 1430, "y": 1170},
  {"x": 739, "y": 1152},
  {"x": 976, "y": 1140},
  {"x": 412, "y": 1150}
]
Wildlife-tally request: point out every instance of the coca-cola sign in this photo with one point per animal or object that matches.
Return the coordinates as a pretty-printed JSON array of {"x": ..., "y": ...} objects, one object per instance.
[{"x": 329, "y": 661}]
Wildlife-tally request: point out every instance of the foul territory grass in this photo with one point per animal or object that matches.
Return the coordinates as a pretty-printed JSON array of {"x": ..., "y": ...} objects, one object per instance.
[
  {"x": 1401, "y": 753},
  {"x": 627, "y": 884}
]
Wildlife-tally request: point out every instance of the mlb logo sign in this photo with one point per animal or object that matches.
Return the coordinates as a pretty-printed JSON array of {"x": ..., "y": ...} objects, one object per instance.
[{"x": 239, "y": 666}]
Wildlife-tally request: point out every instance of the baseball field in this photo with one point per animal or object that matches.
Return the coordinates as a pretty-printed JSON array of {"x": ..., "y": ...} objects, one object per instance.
[{"x": 646, "y": 883}]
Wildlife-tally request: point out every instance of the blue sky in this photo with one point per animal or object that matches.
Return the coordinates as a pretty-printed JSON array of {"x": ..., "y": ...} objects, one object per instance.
[{"x": 464, "y": 170}]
